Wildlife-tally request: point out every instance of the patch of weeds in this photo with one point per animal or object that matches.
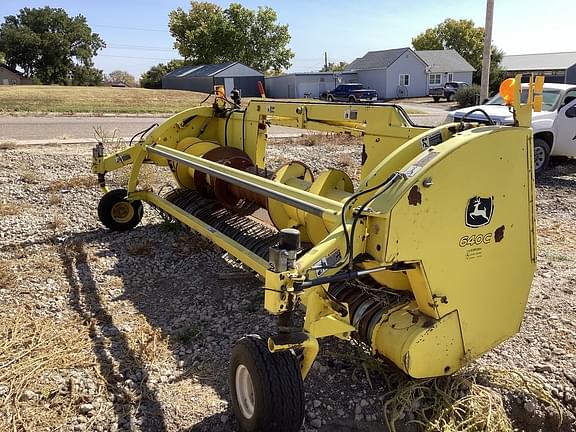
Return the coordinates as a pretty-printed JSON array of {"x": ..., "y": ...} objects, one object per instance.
[
  {"x": 54, "y": 199},
  {"x": 77, "y": 182},
  {"x": 9, "y": 209},
  {"x": 29, "y": 176},
  {"x": 311, "y": 140},
  {"x": 345, "y": 160},
  {"x": 170, "y": 226},
  {"x": 7, "y": 145},
  {"x": 56, "y": 223},
  {"x": 7, "y": 280},
  {"x": 186, "y": 335},
  {"x": 559, "y": 258},
  {"x": 143, "y": 248}
]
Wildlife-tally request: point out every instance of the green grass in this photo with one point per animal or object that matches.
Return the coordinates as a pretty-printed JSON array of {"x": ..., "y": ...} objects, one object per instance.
[{"x": 63, "y": 99}]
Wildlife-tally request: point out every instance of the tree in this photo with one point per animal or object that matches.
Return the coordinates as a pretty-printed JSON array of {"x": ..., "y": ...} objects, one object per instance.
[
  {"x": 209, "y": 34},
  {"x": 334, "y": 67},
  {"x": 86, "y": 75},
  {"x": 2, "y": 58},
  {"x": 462, "y": 36},
  {"x": 123, "y": 76},
  {"x": 48, "y": 44},
  {"x": 152, "y": 78}
]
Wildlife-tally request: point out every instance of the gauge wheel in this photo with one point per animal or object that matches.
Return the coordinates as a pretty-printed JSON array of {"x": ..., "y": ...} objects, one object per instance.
[
  {"x": 117, "y": 213},
  {"x": 541, "y": 155},
  {"x": 267, "y": 388}
]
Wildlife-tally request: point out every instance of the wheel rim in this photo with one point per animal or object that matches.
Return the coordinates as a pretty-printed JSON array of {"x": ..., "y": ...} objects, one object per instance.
[
  {"x": 244, "y": 391},
  {"x": 122, "y": 212},
  {"x": 539, "y": 157}
]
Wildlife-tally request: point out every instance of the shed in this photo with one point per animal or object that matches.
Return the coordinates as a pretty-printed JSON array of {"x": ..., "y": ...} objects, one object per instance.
[
  {"x": 446, "y": 66},
  {"x": 306, "y": 84},
  {"x": 394, "y": 73},
  {"x": 557, "y": 67},
  {"x": 203, "y": 78}
]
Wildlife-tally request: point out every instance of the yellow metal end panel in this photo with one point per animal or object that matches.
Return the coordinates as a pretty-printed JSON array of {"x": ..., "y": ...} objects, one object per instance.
[
  {"x": 421, "y": 346},
  {"x": 472, "y": 231}
]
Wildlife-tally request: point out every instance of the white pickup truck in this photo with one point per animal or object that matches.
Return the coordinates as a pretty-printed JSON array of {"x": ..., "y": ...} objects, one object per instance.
[{"x": 554, "y": 127}]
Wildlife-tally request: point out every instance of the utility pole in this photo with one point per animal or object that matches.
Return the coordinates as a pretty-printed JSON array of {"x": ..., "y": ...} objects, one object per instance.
[
  {"x": 326, "y": 60},
  {"x": 485, "y": 82}
]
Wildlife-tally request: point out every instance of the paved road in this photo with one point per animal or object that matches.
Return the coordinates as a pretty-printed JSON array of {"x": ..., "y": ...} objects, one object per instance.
[{"x": 62, "y": 128}]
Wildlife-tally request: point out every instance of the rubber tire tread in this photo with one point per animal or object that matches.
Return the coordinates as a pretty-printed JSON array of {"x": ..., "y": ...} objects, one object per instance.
[
  {"x": 105, "y": 210},
  {"x": 542, "y": 143},
  {"x": 277, "y": 385}
]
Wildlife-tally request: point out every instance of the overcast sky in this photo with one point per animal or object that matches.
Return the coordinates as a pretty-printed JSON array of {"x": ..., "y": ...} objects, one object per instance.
[{"x": 137, "y": 37}]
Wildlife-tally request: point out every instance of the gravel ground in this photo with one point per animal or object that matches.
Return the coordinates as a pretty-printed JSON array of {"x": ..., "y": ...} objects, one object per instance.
[{"x": 153, "y": 313}]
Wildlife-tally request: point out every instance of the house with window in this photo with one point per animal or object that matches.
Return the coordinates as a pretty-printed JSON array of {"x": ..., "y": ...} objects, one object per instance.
[
  {"x": 10, "y": 76},
  {"x": 394, "y": 73},
  {"x": 446, "y": 66}
]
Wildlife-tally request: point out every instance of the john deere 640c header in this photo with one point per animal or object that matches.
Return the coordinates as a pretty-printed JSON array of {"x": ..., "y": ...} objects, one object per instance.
[{"x": 442, "y": 224}]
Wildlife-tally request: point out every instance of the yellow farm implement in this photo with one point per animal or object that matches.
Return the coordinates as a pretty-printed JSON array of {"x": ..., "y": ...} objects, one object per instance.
[{"x": 442, "y": 224}]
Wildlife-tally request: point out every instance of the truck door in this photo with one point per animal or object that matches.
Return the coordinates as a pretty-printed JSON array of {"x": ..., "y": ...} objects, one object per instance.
[{"x": 566, "y": 125}]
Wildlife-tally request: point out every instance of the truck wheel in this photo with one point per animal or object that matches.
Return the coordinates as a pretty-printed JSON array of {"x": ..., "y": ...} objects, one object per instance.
[
  {"x": 117, "y": 213},
  {"x": 436, "y": 98},
  {"x": 352, "y": 99},
  {"x": 541, "y": 155},
  {"x": 330, "y": 98},
  {"x": 449, "y": 97},
  {"x": 267, "y": 388}
]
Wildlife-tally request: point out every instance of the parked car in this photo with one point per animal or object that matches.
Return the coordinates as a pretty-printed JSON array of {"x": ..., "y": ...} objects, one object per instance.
[
  {"x": 448, "y": 91},
  {"x": 351, "y": 92},
  {"x": 554, "y": 127}
]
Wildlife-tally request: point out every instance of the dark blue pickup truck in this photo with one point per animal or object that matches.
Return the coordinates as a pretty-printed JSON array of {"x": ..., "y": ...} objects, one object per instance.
[{"x": 350, "y": 93}]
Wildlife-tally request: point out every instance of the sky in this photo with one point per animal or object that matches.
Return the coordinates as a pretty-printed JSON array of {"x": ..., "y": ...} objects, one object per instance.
[{"x": 137, "y": 36}]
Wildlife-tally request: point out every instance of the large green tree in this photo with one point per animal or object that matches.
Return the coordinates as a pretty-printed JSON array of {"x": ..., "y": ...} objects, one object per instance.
[
  {"x": 49, "y": 45},
  {"x": 123, "y": 76},
  {"x": 152, "y": 78},
  {"x": 464, "y": 37},
  {"x": 209, "y": 34},
  {"x": 334, "y": 67}
]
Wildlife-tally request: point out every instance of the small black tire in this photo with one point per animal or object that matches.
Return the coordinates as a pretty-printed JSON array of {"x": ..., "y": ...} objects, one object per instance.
[
  {"x": 436, "y": 98},
  {"x": 266, "y": 388},
  {"x": 117, "y": 213},
  {"x": 541, "y": 156}
]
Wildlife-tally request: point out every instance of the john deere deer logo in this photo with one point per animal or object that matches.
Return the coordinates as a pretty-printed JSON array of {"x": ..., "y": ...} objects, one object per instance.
[{"x": 479, "y": 211}]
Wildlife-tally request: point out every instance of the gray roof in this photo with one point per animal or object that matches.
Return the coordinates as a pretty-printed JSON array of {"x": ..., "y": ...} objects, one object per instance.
[
  {"x": 445, "y": 61},
  {"x": 376, "y": 59},
  {"x": 542, "y": 61},
  {"x": 202, "y": 70}
]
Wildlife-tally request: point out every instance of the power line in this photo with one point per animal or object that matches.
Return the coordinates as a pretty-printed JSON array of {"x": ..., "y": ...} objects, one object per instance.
[
  {"x": 137, "y": 47},
  {"x": 130, "y": 28},
  {"x": 131, "y": 57}
]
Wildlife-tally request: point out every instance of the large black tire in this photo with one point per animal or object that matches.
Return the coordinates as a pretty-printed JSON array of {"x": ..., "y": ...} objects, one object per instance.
[
  {"x": 267, "y": 388},
  {"x": 330, "y": 98},
  {"x": 450, "y": 97},
  {"x": 541, "y": 156},
  {"x": 117, "y": 213},
  {"x": 352, "y": 99},
  {"x": 436, "y": 98}
]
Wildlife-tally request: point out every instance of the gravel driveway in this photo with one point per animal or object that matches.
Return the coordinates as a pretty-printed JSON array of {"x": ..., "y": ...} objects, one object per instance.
[{"x": 142, "y": 322}]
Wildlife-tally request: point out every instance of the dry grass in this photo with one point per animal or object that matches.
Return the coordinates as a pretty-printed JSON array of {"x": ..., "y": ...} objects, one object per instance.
[
  {"x": 147, "y": 342},
  {"x": 9, "y": 209},
  {"x": 76, "y": 182},
  {"x": 66, "y": 99},
  {"x": 54, "y": 199},
  {"x": 32, "y": 350},
  {"x": 57, "y": 223},
  {"x": 7, "y": 145},
  {"x": 319, "y": 139},
  {"x": 29, "y": 176},
  {"x": 7, "y": 280},
  {"x": 468, "y": 401},
  {"x": 143, "y": 248}
]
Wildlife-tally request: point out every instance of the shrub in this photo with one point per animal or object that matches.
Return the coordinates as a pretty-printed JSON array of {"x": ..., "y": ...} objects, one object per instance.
[{"x": 468, "y": 96}]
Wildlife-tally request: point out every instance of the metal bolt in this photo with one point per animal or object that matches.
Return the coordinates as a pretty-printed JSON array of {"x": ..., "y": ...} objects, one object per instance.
[{"x": 427, "y": 182}]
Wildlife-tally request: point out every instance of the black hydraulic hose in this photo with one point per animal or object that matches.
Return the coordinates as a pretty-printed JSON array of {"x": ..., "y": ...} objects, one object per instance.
[{"x": 490, "y": 121}]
